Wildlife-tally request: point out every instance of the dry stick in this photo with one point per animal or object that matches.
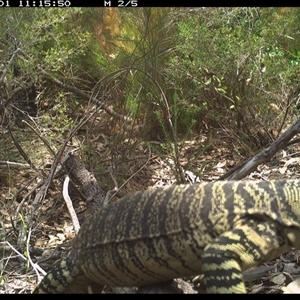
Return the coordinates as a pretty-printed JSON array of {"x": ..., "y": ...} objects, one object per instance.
[
  {"x": 20, "y": 149},
  {"x": 23, "y": 257},
  {"x": 148, "y": 159},
  {"x": 115, "y": 189},
  {"x": 36, "y": 267},
  {"x": 40, "y": 137},
  {"x": 267, "y": 153},
  {"x": 70, "y": 205},
  {"x": 19, "y": 207},
  {"x": 232, "y": 170}
]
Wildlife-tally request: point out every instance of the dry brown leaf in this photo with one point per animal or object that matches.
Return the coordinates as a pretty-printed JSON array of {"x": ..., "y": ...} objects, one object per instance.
[
  {"x": 61, "y": 236},
  {"x": 54, "y": 240}
]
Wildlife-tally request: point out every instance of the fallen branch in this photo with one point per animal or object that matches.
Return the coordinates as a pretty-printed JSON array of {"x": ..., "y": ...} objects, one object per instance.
[{"x": 251, "y": 164}]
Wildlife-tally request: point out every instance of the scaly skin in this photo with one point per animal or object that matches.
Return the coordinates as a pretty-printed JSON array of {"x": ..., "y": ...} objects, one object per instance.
[{"x": 219, "y": 229}]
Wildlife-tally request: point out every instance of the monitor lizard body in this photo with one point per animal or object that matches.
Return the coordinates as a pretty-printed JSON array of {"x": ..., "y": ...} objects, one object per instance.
[{"x": 219, "y": 229}]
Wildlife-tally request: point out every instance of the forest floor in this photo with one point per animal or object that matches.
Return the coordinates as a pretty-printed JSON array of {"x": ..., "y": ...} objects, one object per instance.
[{"x": 52, "y": 230}]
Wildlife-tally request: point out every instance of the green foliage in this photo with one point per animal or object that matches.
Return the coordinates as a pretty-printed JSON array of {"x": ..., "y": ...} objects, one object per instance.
[
  {"x": 144, "y": 44},
  {"x": 55, "y": 39},
  {"x": 232, "y": 63},
  {"x": 204, "y": 68},
  {"x": 59, "y": 116},
  {"x": 58, "y": 40}
]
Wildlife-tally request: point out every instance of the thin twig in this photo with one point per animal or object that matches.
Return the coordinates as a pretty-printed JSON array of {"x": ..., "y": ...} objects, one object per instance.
[
  {"x": 35, "y": 267},
  {"x": 22, "y": 256},
  {"x": 40, "y": 137},
  {"x": 142, "y": 167},
  {"x": 70, "y": 204},
  {"x": 115, "y": 189},
  {"x": 20, "y": 149}
]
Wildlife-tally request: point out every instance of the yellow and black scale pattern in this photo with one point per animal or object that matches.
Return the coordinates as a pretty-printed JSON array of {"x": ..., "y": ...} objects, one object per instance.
[{"x": 219, "y": 229}]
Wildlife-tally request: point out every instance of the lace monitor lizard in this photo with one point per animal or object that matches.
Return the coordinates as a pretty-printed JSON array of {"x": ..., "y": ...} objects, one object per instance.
[{"x": 219, "y": 229}]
